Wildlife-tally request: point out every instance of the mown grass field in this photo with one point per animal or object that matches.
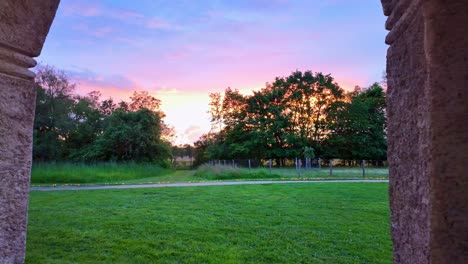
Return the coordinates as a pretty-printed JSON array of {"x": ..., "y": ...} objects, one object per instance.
[
  {"x": 115, "y": 173},
  {"x": 295, "y": 223}
]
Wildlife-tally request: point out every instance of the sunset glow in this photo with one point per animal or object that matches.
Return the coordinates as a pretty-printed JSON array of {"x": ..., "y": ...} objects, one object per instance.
[{"x": 182, "y": 50}]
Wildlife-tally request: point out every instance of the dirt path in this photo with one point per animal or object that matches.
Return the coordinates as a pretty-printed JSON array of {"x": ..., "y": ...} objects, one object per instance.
[{"x": 185, "y": 184}]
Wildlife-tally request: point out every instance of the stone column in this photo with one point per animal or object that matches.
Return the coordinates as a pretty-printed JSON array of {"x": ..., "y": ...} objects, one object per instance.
[
  {"x": 427, "y": 73},
  {"x": 24, "y": 25}
]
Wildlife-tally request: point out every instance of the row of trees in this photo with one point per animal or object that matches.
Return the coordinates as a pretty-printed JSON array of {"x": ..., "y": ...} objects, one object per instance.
[
  {"x": 68, "y": 126},
  {"x": 292, "y": 113},
  {"x": 286, "y": 119}
]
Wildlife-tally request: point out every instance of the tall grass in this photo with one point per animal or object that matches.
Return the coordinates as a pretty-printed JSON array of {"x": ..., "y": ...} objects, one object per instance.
[
  {"x": 92, "y": 173},
  {"x": 220, "y": 172}
]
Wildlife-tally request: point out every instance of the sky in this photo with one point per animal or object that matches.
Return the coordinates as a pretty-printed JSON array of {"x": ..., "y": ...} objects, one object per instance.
[{"x": 182, "y": 50}]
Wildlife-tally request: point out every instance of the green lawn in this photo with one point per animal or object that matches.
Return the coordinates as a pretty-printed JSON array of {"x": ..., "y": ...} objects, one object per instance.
[
  {"x": 115, "y": 173},
  {"x": 281, "y": 223}
]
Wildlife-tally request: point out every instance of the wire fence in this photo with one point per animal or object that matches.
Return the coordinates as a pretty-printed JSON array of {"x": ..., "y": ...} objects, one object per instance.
[{"x": 303, "y": 167}]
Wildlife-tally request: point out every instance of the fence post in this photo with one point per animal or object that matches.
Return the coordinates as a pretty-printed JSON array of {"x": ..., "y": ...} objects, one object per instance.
[
  {"x": 331, "y": 167},
  {"x": 319, "y": 164},
  {"x": 270, "y": 166},
  {"x": 363, "y": 168},
  {"x": 250, "y": 167},
  {"x": 299, "y": 164}
]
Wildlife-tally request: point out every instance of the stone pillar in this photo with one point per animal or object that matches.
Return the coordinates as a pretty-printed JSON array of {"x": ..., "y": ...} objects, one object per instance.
[
  {"x": 24, "y": 25},
  {"x": 427, "y": 73}
]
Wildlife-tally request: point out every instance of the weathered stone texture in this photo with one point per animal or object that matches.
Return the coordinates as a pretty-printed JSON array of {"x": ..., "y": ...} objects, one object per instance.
[
  {"x": 408, "y": 133},
  {"x": 23, "y": 28},
  {"x": 427, "y": 68},
  {"x": 446, "y": 35},
  {"x": 25, "y": 24},
  {"x": 17, "y": 101}
]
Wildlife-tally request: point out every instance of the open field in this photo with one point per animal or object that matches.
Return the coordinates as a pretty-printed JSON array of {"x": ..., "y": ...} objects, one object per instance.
[
  {"x": 300, "y": 223},
  {"x": 111, "y": 173}
]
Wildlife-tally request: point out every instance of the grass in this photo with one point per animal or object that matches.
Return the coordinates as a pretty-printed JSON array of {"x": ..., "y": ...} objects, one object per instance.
[
  {"x": 131, "y": 173},
  {"x": 281, "y": 223},
  {"x": 60, "y": 173},
  {"x": 220, "y": 172}
]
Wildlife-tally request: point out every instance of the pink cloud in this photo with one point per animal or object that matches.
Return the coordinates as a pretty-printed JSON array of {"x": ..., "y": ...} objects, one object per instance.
[
  {"x": 193, "y": 133},
  {"x": 127, "y": 16},
  {"x": 98, "y": 10},
  {"x": 82, "y": 9},
  {"x": 157, "y": 23},
  {"x": 87, "y": 78},
  {"x": 103, "y": 31}
]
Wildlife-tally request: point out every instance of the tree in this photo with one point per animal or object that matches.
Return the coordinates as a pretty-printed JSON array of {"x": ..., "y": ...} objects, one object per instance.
[
  {"x": 309, "y": 155},
  {"x": 277, "y": 121},
  {"x": 201, "y": 153},
  {"x": 107, "y": 107},
  {"x": 143, "y": 99},
  {"x": 131, "y": 136},
  {"x": 52, "y": 123},
  {"x": 358, "y": 126},
  {"x": 88, "y": 123},
  {"x": 216, "y": 111},
  {"x": 83, "y": 128}
]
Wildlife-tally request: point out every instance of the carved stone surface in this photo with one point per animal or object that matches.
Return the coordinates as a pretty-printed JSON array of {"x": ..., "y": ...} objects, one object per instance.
[
  {"x": 447, "y": 81},
  {"x": 17, "y": 101},
  {"x": 24, "y": 25},
  {"x": 427, "y": 73}
]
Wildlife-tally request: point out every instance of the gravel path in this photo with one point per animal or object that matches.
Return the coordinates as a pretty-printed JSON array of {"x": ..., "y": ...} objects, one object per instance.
[{"x": 184, "y": 184}]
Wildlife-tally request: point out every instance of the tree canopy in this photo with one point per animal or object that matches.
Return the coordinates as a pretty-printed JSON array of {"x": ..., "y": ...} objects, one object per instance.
[
  {"x": 68, "y": 126},
  {"x": 304, "y": 114},
  {"x": 293, "y": 115}
]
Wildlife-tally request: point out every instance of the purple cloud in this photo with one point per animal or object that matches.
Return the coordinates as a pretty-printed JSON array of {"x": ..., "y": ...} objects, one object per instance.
[{"x": 87, "y": 77}]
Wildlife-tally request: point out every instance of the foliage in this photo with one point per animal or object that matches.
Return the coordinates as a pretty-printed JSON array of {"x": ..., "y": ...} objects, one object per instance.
[
  {"x": 130, "y": 136},
  {"x": 52, "y": 122},
  {"x": 70, "y": 127},
  {"x": 357, "y": 127},
  {"x": 303, "y": 110},
  {"x": 281, "y": 223},
  {"x": 309, "y": 152}
]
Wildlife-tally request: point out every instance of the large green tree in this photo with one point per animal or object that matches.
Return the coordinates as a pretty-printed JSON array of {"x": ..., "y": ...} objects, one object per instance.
[
  {"x": 88, "y": 123},
  {"x": 68, "y": 126},
  {"x": 277, "y": 121},
  {"x": 358, "y": 126},
  {"x": 52, "y": 122},
  {"x": 131, "y": 136}
]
